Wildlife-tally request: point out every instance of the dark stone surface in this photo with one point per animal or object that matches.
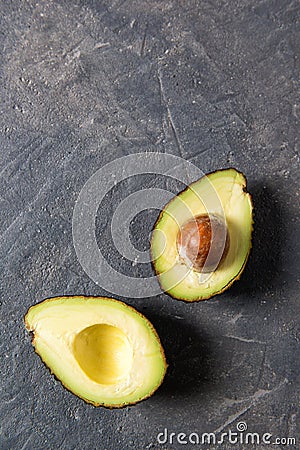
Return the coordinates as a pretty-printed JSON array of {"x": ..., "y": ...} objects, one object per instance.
[{"x": 215, "y": 82}]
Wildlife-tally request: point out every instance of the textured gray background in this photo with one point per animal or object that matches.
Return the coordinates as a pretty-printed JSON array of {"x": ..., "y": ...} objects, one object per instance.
[{"x": 213, "y": 81}]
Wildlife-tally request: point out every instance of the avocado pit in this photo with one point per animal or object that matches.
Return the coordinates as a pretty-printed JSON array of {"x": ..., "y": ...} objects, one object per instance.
[{"x": 203, "y": 242}]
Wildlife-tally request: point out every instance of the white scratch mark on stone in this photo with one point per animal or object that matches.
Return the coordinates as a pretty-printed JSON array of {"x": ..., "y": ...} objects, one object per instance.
[
  {"x": 27, "y": 441},
  {"x": 12, "y": 399},
  {"x": 232, "y": 419},
  {"x": 235, "y": 318},
  {"x": 18, "y": 219},
  {"x": 260, "y": 393},
  {"x": 144, "y": 43},
  {"x": 101, "y": 45},
  {"x": 241, "y": 339},
  {"x": 169, "y": 116}
]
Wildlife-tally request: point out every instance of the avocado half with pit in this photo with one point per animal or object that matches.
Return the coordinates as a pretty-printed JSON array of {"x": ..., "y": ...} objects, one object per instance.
[
  {"x": 101, "y": 349},
  {"x": 202, "y": 239}
]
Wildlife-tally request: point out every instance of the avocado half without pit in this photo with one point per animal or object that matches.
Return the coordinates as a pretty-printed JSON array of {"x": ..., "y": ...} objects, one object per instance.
[
  {"x": 202, "y": 239},
  {"x": 101, "y": 349}
]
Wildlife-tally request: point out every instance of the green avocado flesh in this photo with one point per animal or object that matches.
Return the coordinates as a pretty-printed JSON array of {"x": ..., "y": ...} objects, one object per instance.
[
  {"x": 222, "y": 193},
  {"x": 101, "y": 349}
]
